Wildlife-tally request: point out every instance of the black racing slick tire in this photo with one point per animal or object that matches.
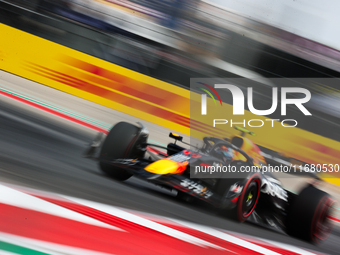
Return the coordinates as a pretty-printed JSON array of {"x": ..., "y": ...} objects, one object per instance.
[
  {"x": 121, "y": 142},
  {"x": 247, "y": 200},
  {"x": 308, "y": 215}
]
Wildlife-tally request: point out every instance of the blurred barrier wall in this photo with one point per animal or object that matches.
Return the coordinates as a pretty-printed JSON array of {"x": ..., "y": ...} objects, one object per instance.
[{"x": 136, "y": 94}]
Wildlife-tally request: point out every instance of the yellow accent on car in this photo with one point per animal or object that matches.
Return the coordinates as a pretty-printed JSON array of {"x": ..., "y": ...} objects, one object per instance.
[{"x": 166, "y": 166}]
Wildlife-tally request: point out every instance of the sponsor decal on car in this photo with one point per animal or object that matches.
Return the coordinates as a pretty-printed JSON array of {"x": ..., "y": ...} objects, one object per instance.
[
  {"x": 236, "y": 188},
  {"x": 196, "y": 188}
]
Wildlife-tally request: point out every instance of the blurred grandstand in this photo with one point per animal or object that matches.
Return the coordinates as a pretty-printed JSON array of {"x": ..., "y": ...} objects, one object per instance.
[{"x": 178, "y": 40}]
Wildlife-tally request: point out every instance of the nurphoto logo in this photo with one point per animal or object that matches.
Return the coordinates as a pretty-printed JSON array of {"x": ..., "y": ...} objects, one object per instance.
[
  {"x": 239, "y": 102},
  {"x": 204, "y": 97}
]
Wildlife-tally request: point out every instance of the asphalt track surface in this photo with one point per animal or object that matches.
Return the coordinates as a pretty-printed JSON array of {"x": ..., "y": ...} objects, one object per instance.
[{"x": 41, "y": 151}]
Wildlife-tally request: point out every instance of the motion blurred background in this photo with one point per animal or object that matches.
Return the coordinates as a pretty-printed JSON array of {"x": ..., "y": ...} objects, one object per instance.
[
  {"x": 136, "y": 58},
  {"x": 174, "y": 40}
]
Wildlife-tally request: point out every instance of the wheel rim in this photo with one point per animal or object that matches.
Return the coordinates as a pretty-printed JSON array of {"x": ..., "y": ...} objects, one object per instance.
[{"x": 250, "y": 199}]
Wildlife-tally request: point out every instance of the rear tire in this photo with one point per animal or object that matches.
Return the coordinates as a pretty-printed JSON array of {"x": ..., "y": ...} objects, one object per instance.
[
  {"x": 121, "y": 142},
  {"x": 308, "y": 215}
]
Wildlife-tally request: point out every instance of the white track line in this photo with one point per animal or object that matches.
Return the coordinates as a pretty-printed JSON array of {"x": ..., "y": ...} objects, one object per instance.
[
  {"x": 227, "y": 237},
  {"x": 146, "y": 223},
  {"x": 288, "y": 247},
  {"x": 8, "y": 253}
]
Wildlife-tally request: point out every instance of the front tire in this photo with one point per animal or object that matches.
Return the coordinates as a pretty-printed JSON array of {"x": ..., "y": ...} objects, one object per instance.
[
  {"x": 121, "y": 142},
  {"x": 248, "y": 198}
]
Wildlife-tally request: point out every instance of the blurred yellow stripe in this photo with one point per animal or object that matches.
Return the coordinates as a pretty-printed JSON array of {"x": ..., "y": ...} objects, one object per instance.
[{"x": 141, "y": 96}]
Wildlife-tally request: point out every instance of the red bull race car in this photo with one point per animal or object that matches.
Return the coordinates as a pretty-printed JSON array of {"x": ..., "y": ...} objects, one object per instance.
[{"x": 238, "y": 187}]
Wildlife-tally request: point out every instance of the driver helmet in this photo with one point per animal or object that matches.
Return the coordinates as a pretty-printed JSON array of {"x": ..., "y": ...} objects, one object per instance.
[{"x": 226, "y": 152}]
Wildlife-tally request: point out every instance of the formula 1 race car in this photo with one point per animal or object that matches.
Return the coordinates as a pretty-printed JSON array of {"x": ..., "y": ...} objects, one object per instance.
[{"x": 242, "y": 195}]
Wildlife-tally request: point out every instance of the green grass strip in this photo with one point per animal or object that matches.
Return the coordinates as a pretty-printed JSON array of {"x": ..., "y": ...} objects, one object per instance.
[{"x": 13, "y": 248}]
